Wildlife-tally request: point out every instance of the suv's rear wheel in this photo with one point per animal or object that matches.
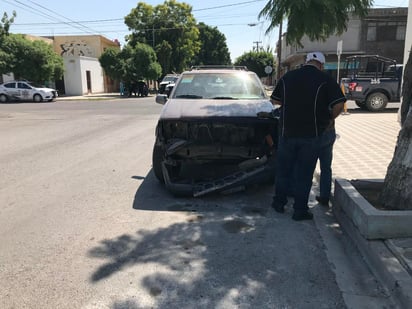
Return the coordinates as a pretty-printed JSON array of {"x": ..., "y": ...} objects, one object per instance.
[{"x": 376, "y": 102}]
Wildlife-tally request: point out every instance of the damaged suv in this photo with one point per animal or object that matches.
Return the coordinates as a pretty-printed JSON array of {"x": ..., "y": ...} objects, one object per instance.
[{"x": 217, "y": 132}]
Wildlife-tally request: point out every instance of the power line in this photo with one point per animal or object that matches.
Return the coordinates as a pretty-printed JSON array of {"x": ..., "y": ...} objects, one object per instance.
[
  {"x": 54, "y": 12},
  {"x": 36, "y": 11},
  {"x": 24, "y": 8},
  {"x": 227, "y": 5},
  {"x": 74, "y": 24},
  {"x": 83, "y": 25},
  {"x": 81, "y": 21}
]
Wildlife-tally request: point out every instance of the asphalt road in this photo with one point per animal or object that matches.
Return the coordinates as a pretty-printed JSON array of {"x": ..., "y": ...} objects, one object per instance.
[{"x": 85, "y": 224}]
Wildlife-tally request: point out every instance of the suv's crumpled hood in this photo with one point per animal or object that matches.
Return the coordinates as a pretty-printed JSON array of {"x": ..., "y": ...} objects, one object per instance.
[{"x": 184, "y": 108}]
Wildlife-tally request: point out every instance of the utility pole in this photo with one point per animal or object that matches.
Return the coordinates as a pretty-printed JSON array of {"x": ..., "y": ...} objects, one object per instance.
[{"x": 257, "y": 46}]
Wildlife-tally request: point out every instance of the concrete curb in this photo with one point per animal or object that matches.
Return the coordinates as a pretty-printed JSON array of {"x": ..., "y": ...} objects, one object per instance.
[
  {"x": 382, "y": 262},
  {"x": 371, "y": 222}
]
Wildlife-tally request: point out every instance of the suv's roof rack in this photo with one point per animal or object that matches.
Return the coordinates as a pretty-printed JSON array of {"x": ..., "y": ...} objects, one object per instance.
[
  {"x": 211, "y": 67},
  {"x": 378, "y": 57}
]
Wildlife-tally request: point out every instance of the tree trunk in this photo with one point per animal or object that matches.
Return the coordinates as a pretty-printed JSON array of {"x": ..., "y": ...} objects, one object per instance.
[{"x": 397, "y": 188}]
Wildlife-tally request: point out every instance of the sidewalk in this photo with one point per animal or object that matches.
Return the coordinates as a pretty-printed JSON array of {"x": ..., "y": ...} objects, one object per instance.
[
  {"x": 364, "y": 150},
  {"x": 92, "y": 96}
]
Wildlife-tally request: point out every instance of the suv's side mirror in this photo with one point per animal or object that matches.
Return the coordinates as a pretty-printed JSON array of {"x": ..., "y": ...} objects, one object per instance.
[{"x": 161, "y": 99}]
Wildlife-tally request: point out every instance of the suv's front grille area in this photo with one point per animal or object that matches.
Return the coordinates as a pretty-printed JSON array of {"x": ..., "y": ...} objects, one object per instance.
[{"x": 202, "y": 132}]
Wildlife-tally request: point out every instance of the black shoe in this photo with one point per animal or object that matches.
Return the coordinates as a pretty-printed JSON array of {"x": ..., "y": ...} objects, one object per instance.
[
  {"x": 278, "y": 208},
  {"x": 322, "y": 200},
  {"x": 300, "y": 216}
]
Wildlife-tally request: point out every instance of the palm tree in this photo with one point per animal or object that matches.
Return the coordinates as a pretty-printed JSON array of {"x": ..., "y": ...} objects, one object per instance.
[
  {"x": 320, "y": 19},
  {"x": 314, "y": 18}
]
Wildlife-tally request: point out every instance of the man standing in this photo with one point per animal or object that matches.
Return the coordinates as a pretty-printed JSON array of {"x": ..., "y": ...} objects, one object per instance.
[{"x": 310, "y": 99}]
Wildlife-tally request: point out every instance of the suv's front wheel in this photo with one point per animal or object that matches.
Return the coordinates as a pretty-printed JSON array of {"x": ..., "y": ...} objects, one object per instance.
[
  {"x": 157, "y": 158},
  {"x": 157, "y": 161},
  {"x": 376, "y": 102}
]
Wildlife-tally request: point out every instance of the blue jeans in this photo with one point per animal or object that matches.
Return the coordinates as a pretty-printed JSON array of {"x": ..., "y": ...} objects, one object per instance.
[
  {"x": 296, "y": 162},
  {"x": 325, "y": 159}
]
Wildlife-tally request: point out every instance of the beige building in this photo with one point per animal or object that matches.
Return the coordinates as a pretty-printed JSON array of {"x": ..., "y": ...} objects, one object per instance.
[{"x": 82, "y": 71}]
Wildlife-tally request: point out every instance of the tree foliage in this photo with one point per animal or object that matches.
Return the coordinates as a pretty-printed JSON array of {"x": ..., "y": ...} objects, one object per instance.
[
  {"x": 256, "y": 61},
  {"x": 111, "y": 63},
  {"x": 213, "y": 49},
  {"x": 318, "y": 19},
  {"x": 5, "y": 57},
  {"x": 169, "y": 28},
  {"x": 32, "y": 60},
  {"x": 5, "y": 23},
  {"x": 132, "y": 63}
]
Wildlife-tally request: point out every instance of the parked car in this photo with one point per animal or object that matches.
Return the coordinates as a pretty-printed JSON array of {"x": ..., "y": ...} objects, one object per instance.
[
  {"x": 169, "y": 79},
  {"x": 138, "y": 89},
  {"x": 217, "y": 131},
  {"x": 372, "y": 81},
  {"x": 26, "y": 91}
]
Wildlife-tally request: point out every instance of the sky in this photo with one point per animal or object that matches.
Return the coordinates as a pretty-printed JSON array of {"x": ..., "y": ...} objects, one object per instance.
[{"x": 237, "y": 20}]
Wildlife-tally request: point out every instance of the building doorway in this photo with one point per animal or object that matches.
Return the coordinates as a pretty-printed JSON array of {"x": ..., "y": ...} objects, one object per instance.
[{"x": 89, "y": 82}]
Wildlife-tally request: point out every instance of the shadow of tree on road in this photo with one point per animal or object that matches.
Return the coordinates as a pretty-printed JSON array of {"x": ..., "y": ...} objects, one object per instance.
[{"x": 218, "y": 251}]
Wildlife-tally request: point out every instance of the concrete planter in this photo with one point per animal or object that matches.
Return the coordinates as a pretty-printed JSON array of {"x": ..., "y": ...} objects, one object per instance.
[{"x": 372, "y": 223}]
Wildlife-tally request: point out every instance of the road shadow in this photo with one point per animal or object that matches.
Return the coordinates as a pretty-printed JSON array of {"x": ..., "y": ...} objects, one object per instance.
[
  {"x": 153, "y": 196},
  {"x": 218, "y": 251}
]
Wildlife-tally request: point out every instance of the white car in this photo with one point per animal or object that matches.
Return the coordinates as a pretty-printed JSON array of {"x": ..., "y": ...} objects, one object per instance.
[{"x": 25, "y": 91}]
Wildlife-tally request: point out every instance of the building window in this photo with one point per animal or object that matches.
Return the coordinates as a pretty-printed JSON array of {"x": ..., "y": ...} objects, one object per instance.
[
  {"x": 401, "y": 32},
  {"x": 371, "y": 36},
  {"x": 386, "y": 31}
]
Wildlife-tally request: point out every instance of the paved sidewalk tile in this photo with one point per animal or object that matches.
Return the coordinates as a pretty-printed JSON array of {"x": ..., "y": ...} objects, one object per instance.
[{"x": 365, "y": 145}]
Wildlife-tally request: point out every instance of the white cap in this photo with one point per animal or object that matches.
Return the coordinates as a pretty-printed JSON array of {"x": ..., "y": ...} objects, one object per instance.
[{"x": 318, "y": 56}]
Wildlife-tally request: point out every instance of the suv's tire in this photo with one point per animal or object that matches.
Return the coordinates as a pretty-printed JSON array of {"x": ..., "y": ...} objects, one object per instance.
[
  {"x": 376, "y": 102},
  {"x": 157, "y": 159},
  {"x": 37, "y": 98},
  {"x": 3, "y": 98}
]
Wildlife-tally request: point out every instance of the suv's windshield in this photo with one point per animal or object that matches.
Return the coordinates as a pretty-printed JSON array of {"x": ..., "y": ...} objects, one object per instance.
[{"x": 237, "y": 85}]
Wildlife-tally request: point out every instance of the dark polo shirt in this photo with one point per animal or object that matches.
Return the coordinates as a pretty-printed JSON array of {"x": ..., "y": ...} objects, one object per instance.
[{"x": 307, "y": 96}]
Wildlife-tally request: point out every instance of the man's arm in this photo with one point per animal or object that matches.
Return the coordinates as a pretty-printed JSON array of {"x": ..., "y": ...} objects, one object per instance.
[{"x": 337, "y": 110}]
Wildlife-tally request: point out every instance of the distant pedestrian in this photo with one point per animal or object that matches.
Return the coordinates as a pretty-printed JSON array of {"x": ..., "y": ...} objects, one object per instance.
[
  {"x": 309, "y": 99},
  {"x": 121, "y": 88}
]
